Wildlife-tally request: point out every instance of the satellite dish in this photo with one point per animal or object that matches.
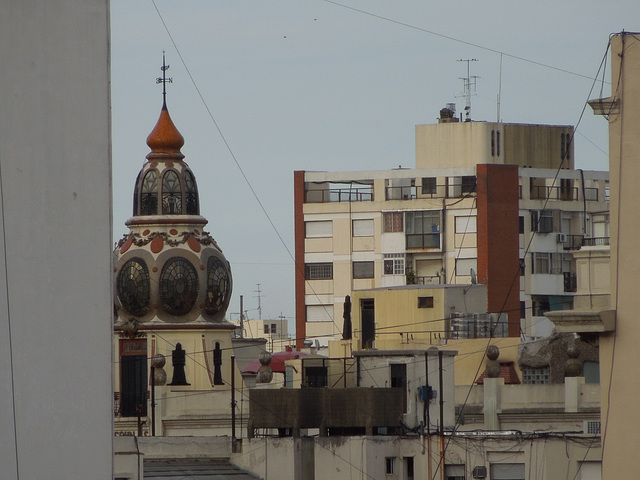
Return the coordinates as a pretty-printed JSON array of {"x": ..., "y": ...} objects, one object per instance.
[{"x": 474, "y": 280}]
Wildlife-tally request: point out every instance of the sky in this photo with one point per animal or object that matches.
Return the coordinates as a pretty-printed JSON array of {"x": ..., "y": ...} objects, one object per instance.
[{"x": 263, "y": 88}]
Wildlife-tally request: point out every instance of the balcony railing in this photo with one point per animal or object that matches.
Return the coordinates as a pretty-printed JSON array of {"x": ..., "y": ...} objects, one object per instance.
[
  {"x": 411, "y": 192},
  {"x": 543, "y": 192},
  {"x": 595, "y": 241},
  {"x": 576, "y": 242},
  {"x": 339, "y": 195},
  {"x": 427, "y": 280}
]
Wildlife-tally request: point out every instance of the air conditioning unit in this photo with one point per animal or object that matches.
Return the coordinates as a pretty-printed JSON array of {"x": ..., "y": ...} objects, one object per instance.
[
  {"x": 591, "y": 427},
  {"x": 561, "y": 238},
  {"x": 480, "y": 471}
]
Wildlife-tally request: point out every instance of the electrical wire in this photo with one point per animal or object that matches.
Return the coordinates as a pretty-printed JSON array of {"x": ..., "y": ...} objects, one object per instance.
[
  {"x": 464, "y": 42},
  {"x": 9, "y": 334}
]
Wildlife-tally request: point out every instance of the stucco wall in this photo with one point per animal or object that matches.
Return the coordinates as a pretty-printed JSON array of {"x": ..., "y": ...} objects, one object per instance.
[{"x": 56, "y": 310}]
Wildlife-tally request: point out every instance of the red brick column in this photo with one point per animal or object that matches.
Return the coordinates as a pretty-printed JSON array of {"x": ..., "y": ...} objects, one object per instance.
[{"x": 498, "y": 235}]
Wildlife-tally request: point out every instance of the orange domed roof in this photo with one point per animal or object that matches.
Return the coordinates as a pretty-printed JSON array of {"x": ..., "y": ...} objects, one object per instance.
[{"x": 165, "y": 137}]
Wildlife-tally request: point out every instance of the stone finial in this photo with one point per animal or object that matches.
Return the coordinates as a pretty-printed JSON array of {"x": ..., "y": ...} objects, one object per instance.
[
  {"x": 492, "y": 365},
  {"x": 160, "y": 376},
  {"x": 265, "y": 374},
  {"x": 573, "y": 367}
]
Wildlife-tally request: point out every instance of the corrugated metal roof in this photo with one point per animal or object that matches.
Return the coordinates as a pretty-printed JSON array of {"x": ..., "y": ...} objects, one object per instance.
[{"x": 180, "y": 469}]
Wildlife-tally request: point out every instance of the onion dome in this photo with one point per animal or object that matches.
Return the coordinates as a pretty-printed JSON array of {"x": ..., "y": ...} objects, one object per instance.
[
  {"x": 165, "y": 185},
  {"x": 165, "y": 137}
]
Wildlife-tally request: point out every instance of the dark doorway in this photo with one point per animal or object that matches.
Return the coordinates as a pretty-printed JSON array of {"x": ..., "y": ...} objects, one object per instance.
[{"x": 367, "y": 314}]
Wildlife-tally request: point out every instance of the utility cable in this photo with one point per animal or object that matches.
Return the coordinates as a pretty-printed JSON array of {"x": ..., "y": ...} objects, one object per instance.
[{"x": 454, "y": 39}]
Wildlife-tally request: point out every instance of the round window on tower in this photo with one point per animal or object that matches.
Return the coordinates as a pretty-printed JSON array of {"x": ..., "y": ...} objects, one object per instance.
[
  {"x": 132, "y": 286},
  {"x": 218, "y": 285},
  {"x": 178, "y": 286}
]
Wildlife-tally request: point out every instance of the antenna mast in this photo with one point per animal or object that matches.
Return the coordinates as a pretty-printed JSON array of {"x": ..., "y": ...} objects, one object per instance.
[
  {"x": 469, "y": 86},
  {"x": 259, "y": 292}
]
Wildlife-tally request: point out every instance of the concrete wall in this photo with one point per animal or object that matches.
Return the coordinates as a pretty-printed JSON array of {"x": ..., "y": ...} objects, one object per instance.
[
  {"x": 56, "y": 310},
  {"x": 619, "y": 351}
]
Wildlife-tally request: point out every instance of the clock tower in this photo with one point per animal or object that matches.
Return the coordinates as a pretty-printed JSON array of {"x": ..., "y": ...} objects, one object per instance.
[{"x": 172, "y": 290}]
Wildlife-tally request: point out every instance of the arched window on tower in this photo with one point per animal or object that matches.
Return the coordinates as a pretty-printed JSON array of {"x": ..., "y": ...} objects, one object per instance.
[
  {"x": 171, "y": 194},
  {"x": 149, "y": 194},
  {"x": 136, "y": 195},
  {"x": 191, "y": 194}
]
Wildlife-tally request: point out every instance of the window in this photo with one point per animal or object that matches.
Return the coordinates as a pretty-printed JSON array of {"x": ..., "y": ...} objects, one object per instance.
[
  {"x": 498, "y": 142},
  {"x": 390, "y": 465},
  {"x": 178, "y": 286},
  {"x": 393, "y": 264},
  {"x": 535, "y": 376},
  {"x": 523, "y": 267},
  {"x": 363, "y": 270},
  {"x": 468, "y": 184},
  {"x": 218, "y": 286},
  {"x": 507, "y": 471},
  {"x": 191, "y": 193},
  {"x": 392, "y": 222},
  {"x": 133, "y": 287},
  {"x": 266, "y": 328},
  {"x": 398, "y": 373},
  {"x": 425, "y": 302},
  {"x": 274, "y": 328},
  {"x": 318, "y": 229},
  {"x": 464, "y": 266},
  {"x": 171, "y": 194},
  {"x": 520, "y": 224},
  {"x": 363, "y": 228},
  {"x": 429, "y": 185},
  {"x": 408, "y": 468},
  {"x": 466, "y": 224},
  {"x": 523, "y": 310},
  {"x": 423, "y": 229},
  {"x": 319, "y": 313},
  {"x": 149, "y": 194},
  {"x": 318, "y": 271},
  {"x": 546, "y": 263},
  {"x": 545, "y": 221},
  {"x": 454, "y": 472},
  {"x": 540, "y": 305},
  {"x": 315, "y": 377}
]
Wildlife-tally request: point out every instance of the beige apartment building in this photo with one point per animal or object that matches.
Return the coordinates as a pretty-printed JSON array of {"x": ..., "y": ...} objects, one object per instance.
[{"x": 492, "y": 203}]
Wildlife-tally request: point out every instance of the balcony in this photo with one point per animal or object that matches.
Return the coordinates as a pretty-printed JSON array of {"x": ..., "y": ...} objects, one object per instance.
[
  {"x": 360, "y": 194},
  {"x": 576, "y": 242},
  {"x": 426, "y": 280}
]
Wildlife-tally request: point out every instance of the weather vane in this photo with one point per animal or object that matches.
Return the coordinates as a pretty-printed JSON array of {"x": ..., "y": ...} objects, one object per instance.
[{"x": 164, "y": 80}]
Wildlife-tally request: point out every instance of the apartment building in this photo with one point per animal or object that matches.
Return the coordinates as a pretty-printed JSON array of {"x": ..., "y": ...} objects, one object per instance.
[{"x": 492, "y": 203}]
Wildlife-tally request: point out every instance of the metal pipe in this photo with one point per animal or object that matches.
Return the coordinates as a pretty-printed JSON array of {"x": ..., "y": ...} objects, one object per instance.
[
  {"x": 441, "y": 382},
  {"x": 153, "y": 401},
  {"x": 233, "y": 404}
]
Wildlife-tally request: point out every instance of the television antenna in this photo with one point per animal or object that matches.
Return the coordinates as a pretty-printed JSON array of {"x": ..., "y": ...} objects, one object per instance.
[{"x": 469, "y": 86}]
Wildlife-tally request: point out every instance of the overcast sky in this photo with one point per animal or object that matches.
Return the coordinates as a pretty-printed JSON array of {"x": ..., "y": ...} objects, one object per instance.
[{"x": 318, "y": 85}]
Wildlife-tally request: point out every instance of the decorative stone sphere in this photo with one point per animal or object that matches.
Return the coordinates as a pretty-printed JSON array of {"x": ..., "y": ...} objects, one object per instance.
[
  {"x": 573, "y": 367},
  {"x": 264, "y": 358},
  {"x": 572, "y": 351},
  {"x": 158, "y": 360},
  {"x": 493, "y": 352},
  {"x": 160, "y": 376},
  {"x": 265, "y": 374}
]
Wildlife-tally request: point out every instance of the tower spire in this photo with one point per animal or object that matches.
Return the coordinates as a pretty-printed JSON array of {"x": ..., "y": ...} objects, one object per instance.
[{"x": 164, "y": 80}]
